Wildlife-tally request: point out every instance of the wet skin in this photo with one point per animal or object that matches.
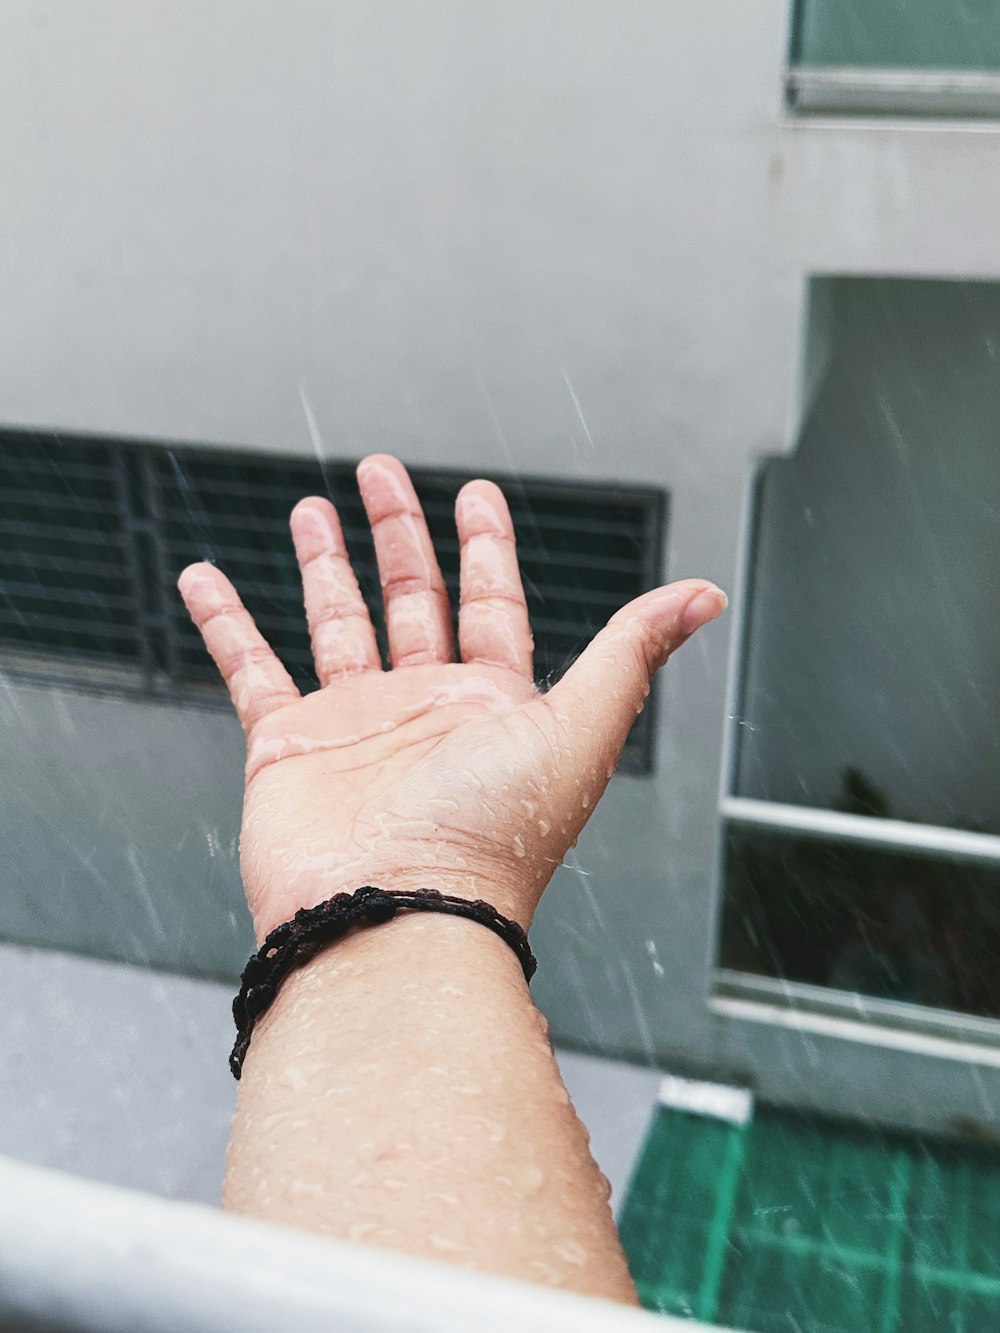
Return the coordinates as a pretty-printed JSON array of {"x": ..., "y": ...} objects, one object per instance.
[{"x": 457, "y": 774}]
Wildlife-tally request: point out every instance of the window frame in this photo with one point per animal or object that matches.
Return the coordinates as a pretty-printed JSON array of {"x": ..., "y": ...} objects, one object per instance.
[
  {"x": 844, "y": 89},
  {"x": 778, "y": 1002}
]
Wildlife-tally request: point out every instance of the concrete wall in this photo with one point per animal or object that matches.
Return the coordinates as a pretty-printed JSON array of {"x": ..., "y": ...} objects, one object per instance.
[
  {"x": 423, "y": 219},
  {"x": 559, "y": 237}
]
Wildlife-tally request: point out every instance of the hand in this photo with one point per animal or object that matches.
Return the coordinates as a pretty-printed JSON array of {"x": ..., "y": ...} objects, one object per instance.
[{"x": 458, "y": 776}]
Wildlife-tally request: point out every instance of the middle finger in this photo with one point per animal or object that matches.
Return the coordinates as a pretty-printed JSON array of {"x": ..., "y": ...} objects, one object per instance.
[{"x": 417, "y": 614}]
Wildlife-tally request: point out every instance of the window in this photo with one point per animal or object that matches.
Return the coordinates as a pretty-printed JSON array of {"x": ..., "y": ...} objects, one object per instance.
[
  {"x": 94, "y": 533},
  {"x": 863, "y": 821},
  {"x": 901, "y": 56}
]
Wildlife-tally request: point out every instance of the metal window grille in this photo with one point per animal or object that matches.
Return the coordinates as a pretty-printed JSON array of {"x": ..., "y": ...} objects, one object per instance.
[{"x": 93, "y": 533}]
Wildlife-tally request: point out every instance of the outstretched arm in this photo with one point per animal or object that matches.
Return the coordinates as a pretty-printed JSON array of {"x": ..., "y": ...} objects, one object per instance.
[{"x": 401, "y": 1090}]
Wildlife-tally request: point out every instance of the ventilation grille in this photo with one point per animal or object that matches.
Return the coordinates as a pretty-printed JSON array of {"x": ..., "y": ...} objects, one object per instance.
[{"x": 93, "y": 534}]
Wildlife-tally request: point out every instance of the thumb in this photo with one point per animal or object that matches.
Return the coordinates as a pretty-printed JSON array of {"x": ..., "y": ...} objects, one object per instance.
[{"x": 603, "y": 691}]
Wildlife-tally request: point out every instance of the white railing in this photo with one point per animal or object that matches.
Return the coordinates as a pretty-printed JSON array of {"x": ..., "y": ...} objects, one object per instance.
[{"x": 82, "y": 1256}]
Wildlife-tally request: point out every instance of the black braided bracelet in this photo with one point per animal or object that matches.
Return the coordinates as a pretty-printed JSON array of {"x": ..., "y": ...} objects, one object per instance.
[{"x": 311, "y": 928}]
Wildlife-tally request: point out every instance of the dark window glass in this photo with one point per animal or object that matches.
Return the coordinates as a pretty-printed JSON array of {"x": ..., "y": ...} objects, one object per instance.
[
  {"x": 890, "y": 926},
  {"x": 873, "y": 646}
]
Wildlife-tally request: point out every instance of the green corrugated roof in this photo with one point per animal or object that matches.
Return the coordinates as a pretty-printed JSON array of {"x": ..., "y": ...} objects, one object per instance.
[{"x": 793, "y": 1225}]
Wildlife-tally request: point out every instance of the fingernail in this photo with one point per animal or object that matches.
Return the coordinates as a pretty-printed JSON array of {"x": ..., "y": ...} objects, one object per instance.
[
  {"x": 703, "y": 607},
  {"x": 194, "y": 576}
]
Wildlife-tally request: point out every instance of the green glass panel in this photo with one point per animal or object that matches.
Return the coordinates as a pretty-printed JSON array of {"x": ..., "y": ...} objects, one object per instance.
[
  {"x": 902, "y": 34},
  {"x": 791, "y": 1224},
  {"x": 769, "y": 1289},
  {"x": 676, "y": 1193}
]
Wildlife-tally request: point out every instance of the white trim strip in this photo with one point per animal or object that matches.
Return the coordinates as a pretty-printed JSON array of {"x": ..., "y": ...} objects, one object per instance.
[
  {"x": 843, "y": 1029},
  {"x": 874, "y": 1012},
  {"x": 839, "y": 88},
  {"x": 890, "y": 834},
  {"x": 716, "y": 1100}
]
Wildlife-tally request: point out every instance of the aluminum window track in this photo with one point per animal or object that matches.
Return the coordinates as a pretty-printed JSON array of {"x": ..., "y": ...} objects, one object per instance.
[
  {"x": 845, "y": 89},
  {"x": 862, "y": 830}
]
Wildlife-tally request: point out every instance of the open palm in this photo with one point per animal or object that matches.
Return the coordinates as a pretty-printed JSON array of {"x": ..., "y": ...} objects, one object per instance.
[{"x": 459, "y": 776}]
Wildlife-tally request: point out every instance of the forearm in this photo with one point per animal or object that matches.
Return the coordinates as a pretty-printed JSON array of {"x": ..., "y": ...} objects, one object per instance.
[{"x": 402, "y": 1091}]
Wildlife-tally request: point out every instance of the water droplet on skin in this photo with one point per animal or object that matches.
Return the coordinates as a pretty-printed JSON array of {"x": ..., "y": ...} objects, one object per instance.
[
  {"x": 544, "y": 827},
  {"x": 546, "y": 1273},
  {"x": 572, "y": 1252},
  {"x": 359, "y": 1230},
  {"x": 445, "y": 1244},
  {"x": 293, "y": 1078},
  {"x": 262, "y": 1193},
  {"x": 518, "y": 845},
  {"x": 527, "y": 1179},
  {"x": 492, "y": 1130},
  {"x": 339, "y": 1090},
  {"x": 304, "y": 1189}
]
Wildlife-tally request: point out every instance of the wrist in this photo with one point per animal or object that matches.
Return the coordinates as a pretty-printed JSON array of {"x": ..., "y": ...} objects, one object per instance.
[
  {"x": 272, "y": 907},
  {"x": 312, "y": 930}
]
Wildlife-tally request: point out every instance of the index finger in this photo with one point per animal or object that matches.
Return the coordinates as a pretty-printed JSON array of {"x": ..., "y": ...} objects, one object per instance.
[{"x": 256, "y": 680}]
